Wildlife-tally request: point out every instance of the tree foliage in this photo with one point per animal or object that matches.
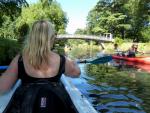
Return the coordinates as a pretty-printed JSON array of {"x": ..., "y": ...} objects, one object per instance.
[
  {"x": 16, "y": 25},
  {"x": 122, "y": 18},
  {"x": 7, "y": 28},
  {"x": 51, "y": 11},
  {"x": 16, "y": 19},
  {"x": 81, "y": 31},
  {"x": 10, "y": 10}
]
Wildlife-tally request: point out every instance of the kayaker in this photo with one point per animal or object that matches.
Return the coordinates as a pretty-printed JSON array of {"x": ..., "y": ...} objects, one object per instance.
[
  {"x": 117, "y": 51},
  {"x": 37, "y": 62},
  {"x": 133, "y": 51}
]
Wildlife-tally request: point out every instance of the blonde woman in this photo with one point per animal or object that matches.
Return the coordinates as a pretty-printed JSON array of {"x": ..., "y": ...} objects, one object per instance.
[{"x": 37, "y": 61}]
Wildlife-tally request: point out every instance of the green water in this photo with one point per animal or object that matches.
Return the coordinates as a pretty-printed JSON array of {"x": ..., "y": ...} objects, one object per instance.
[{"x": 121, "y": 89}]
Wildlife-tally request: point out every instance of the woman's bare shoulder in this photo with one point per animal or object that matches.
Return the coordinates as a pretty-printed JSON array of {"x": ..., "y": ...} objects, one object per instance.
[{"x": 54, "y": 55}]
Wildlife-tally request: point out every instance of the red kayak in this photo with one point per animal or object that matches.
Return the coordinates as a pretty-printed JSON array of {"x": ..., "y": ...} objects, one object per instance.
[
  {"x": 145, "y": 67},
  {"x": 136, "y": 60}
]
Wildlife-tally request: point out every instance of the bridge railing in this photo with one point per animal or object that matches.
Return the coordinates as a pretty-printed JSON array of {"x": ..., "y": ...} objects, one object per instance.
[
  {"x": 103, "y": 37},
  {"x": 107, "y": 36}
]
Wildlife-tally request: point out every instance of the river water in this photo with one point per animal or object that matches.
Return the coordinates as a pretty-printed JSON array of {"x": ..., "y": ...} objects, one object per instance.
[{"x": 128, "y": 92}]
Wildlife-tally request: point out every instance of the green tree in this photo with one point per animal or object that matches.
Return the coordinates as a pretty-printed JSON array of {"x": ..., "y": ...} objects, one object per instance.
[
  {"x": 81, "y": 31},
  {"x": 145, "y": 33},
  {"x": 122, "y": 18},
  {"x": 107, "y": 16},
  {"x": 52, "y": 12},
  {"x": 7, "y": 28},
  {"x": 138, "y": 13},
  {"x": 9, "y": 11},
  {"x": 11, "y": 8},
  {"x": 13, "y": 26}
]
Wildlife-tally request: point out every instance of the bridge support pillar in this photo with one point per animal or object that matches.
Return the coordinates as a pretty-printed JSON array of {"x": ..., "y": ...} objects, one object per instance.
[{"x": 102, "y": 45}]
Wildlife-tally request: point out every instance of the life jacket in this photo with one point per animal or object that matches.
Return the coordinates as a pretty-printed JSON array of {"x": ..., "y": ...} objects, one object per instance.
[
  {"x": 41, "y": 96},
  {"x": 132, "y": 52}
]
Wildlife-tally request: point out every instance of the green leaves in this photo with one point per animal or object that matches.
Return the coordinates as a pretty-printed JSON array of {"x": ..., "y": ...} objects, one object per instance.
[
  {"x": 8, "y": 50},
  {"x": 7, "y": 28},
  {"x": 122, "y": 18},
  {"x": 12, "y": 25},
  {"x": 15, "y": 21},
  {"x": 52, "y": 12}
]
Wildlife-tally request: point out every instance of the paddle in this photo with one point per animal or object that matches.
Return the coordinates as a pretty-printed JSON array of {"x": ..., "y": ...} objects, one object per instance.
[
  {"x": 3, "y": 67},
  {"x": 99, "y": 60}
]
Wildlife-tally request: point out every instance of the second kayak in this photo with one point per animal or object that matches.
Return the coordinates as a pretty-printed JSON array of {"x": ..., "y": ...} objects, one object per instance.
[{"x": 142, "y": 60}]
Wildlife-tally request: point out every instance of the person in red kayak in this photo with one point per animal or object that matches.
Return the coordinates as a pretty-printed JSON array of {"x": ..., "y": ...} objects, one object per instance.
[
  {"x": 117, "y": 51},
  {"x": 133, "y": 51}
]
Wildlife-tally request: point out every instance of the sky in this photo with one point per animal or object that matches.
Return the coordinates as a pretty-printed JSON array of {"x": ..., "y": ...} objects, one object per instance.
[{"x": 76, "y": 10}]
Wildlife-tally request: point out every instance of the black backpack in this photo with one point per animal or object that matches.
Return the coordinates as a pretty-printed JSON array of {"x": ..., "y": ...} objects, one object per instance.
[{"x": 41, "y": 97}]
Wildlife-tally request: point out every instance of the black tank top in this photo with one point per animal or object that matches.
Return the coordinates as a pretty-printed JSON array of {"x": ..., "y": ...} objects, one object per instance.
[{"x": 25, "y": 78}]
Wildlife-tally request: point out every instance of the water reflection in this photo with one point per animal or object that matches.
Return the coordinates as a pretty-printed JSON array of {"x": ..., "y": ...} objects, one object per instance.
[{"x": 113, "y": 91}]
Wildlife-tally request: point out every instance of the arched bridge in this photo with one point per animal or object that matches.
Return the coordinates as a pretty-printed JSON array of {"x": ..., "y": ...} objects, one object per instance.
[{"x": 107, "y": 37}]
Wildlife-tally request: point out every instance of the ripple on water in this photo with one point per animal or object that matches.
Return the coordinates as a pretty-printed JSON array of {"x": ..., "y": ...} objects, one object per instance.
[{"x": 109, "y": 99}]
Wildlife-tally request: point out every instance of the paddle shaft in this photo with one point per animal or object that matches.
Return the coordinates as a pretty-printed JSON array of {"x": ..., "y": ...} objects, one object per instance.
[
  {"x": 3, "y": 67},
  {"x": 82, "y": 61},
  {"x": 99, "y": 60}
]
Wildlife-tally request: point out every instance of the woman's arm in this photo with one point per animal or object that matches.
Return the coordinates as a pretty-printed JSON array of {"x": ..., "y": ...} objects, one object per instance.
[
  {"x": 9, "y": 77},
  {"x": 71, "y": 68},
  {"x": 140, "y": 52}
]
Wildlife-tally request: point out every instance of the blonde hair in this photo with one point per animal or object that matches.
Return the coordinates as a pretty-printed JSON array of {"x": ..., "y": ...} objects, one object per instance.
[{"x": 39, "y": 43}]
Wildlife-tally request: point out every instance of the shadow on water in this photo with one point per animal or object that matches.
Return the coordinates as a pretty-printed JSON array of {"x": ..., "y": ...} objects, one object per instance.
[{"x": 113, "y": 90}]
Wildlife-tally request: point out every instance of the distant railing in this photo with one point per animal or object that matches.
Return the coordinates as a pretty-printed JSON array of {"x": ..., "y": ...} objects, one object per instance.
[{"x": 107, "y": 37}]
